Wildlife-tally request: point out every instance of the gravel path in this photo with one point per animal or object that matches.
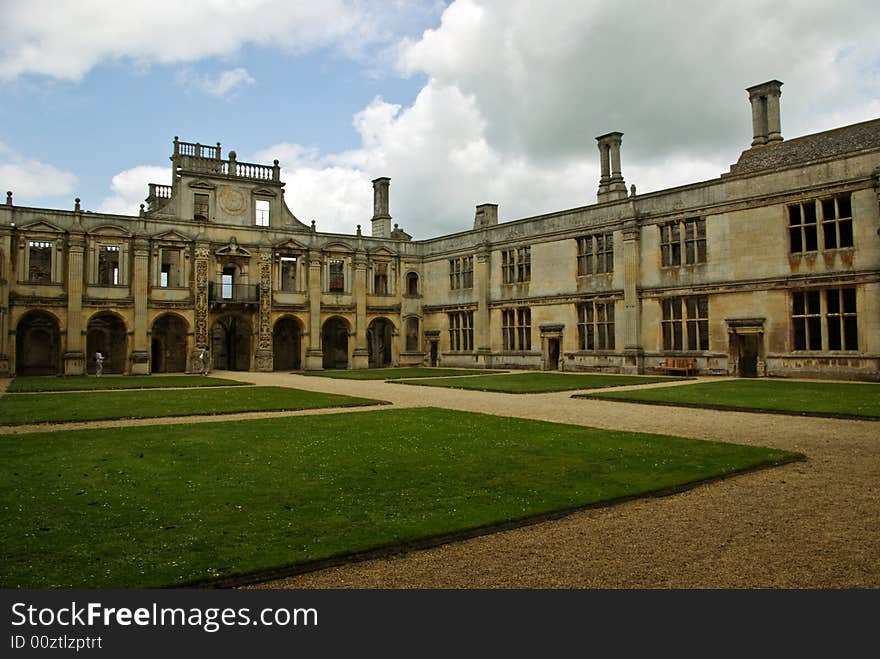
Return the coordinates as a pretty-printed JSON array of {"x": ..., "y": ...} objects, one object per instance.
[{"x": 813, "y": 524}]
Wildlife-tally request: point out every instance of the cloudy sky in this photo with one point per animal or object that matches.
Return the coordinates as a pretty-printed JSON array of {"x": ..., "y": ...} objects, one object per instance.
[{"x": 460, "y": 103}]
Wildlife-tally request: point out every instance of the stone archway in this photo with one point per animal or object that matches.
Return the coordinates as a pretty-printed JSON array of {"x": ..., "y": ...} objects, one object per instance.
[
  {"x": 38, "y": 345},
  {"x": 106, "y": 333},
  {"x": 379, "y": 336},
  {"x": 169, "y": 344},
  {"x": 231, "y": 343},
  {"x": 287, "y": 345},
  {"x": 334, "y": 343}
]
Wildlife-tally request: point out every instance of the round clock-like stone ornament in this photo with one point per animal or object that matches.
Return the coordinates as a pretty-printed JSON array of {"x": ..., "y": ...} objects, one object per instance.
[{"x": 232, "y": 200}]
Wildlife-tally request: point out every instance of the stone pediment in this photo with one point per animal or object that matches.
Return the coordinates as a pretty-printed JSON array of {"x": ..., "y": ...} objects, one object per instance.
[
  {"x": 232, "y": 248},
  {"x": 110, "y": 231},
  {"x": 41, "y": 226},
  {"x": 290, "y": 244},
  {"x": 264, "y": 192},
  {"x": 337, "y": 247},
  {"x": 201, "y": 185},
  {"x": 383, "y": 252},
  {"x": 172, "y": 236}
]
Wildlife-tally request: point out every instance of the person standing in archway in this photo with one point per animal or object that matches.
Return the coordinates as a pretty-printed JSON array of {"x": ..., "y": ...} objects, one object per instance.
[{"x": 99, "y": 363}]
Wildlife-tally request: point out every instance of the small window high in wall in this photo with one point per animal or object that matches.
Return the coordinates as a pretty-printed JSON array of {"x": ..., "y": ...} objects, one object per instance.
[
  {"x": 412, "y": 284},
  {"x": 108, "y": 265},
  {"x": 200, "y": 207},
  {"x": 40, "y": 261},
  {"x": 261, "y": 213}
]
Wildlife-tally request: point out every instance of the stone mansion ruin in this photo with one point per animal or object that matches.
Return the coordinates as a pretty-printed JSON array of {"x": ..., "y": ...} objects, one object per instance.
[{"x": 772, "y": 269}]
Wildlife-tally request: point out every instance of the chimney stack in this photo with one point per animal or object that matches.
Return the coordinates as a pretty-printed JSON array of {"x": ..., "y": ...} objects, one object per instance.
[
  {"x": 486, "y": 216},
  {"x": 766, "y": 121},
  {"x": 381, "y": 217},
  {"x": 611, "y": 184}
]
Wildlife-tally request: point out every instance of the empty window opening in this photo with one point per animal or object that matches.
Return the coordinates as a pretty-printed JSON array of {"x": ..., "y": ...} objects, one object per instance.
[
  {"x": 337, "y": 276},
  {"x": 261, "y": 213},
  {"x": 170, "y": 275},
  {"x": 40, "y": 261},
  {"x": 108, "y": 265},
  {"x": 200, "y": 207},
  {"x": 288, "y": 273}
]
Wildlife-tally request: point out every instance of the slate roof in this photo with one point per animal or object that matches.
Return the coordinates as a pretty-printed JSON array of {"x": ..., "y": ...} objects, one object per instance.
[{"x": 810, "y": 148}]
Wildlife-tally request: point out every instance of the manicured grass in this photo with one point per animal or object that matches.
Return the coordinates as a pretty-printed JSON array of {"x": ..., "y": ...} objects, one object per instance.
[
  {"x": 94, "y": 405},
  {"x": 856, "y": 399},
  {"x": 97, "y": 509},
  {"x": 83, "y": 383},
  {"x": 395, "y": 373},
  {"x": 532, "y": 383}
]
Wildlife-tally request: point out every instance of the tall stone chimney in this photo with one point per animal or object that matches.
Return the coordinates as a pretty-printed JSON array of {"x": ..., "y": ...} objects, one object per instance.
[
  {"x": 766, "y": 121},
  {"x": 486, "y": 216},
  {"x": 381, "y": 217},
  {"x": 611, "y": 184}
]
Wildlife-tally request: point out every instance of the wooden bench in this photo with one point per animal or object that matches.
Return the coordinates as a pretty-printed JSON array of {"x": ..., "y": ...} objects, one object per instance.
[{"x": 680, "y": 365}]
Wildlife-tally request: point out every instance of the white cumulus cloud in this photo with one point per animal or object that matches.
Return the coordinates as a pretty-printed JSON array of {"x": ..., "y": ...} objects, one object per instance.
[
  {"x": 219, "y": 86},
  {"x": 129, "y": 189},
  {"x": 26, "y": 177}
]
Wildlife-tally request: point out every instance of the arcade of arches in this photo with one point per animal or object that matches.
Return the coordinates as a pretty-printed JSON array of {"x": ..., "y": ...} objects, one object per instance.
[
  {"x": 106, "y": 333},
  {"x": 287, "y": 345},
  {"x": 168, "y": 344},
  {"x": 38, "y": 344},
  {"x": 231, "y": 343}
]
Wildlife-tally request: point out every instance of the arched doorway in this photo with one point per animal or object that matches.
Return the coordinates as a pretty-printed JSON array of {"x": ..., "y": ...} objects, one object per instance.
[
  {"x": 38, "y": 345},
  {"x": 231, "y": 344},
  {"x": 379, "y": 334},
  {"x": 286, "y": 345},
  {"x": 169, "y": 344},
  {"x": 334, "y": 343},
  {"x": 106, "y": 333}
]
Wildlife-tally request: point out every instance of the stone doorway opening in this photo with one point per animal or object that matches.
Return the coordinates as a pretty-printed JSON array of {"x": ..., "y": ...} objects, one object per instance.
[
  {"x": 334, "y": 343},
  {"x": 379, "y": 333},
  {"x": 106, "y": 333},
  {"x": 168, "y": 347},
  {"x": 37, "y": 345},
  {"x": 287, "y": 345},
  {"x": 231, "y": 344},
  {"x": 746, "y": 346}
]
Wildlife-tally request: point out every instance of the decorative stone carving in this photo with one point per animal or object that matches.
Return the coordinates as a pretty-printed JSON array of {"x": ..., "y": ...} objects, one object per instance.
[
  {"x": 201, "y": 302},
  {"x": 265, "y": 340},
  {"x": 232, "y": 200}
]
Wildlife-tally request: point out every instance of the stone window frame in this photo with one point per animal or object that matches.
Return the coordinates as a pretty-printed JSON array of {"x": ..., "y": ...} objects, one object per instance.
[
  {"x": 836, "y": 218},
  {"x": 596, "y": 324},
  {"x": 297, "y": 259},
  {"x": 337, "y": 282},
  {"x": 820, "y": 224},
  {"x": 36, "y": 247},
  {"x": 516, "y": 265},
  {"x": 516, "y": 329},
  {"x": 461, "y": 330},
  {"x": 685, "y": 323},
  {"x": 378, "y": 269},
  {"x": 201, "y": 204},
  {"x": 595, "y": 254},
  {"x": 461, "y": 273},
  {"x": 683, "y": 242},
  {"x": 825, "y": 319},
  {"x": 411, "y": 338},
  {"x": 413, "y": 284},
  {"x": 43, "y": 238},
  {"x": 184, "y": 267}
]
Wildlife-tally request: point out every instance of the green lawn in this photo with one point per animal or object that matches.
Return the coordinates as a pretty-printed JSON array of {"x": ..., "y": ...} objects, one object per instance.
[
  {"x": 395, "y": 373},
  {"x": 857, "y": 399},
  {"x": 94, "y": 405},
  {"x": 531, "y": 383},
  {"x": 97, "y": 509},
  {"x": 79, "y": 383}
]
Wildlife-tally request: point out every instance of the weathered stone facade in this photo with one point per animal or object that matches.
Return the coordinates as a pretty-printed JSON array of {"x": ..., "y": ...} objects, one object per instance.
[{"x": 771, "y": 269}]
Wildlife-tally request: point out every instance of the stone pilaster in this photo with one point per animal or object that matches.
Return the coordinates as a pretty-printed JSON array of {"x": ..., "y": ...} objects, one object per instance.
[
  {"x": 6, "y": 247},
  {"x": 264, "y": 360},
  {"x": 200, "y": 266},
  {"x": 632, "y": 307},
  {"x": 140, "y": 354},
  {"x": 74, "y": 357},
  {"x": 482, "y": 328},
  {"x": 314, "y": 355},
  {"x": 361, "y": 354}
]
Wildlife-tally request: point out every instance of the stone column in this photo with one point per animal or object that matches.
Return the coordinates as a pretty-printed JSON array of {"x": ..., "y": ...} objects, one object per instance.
[
  {"x": 611, "y": 183},
  {"x": 264, "y": 360},
  {"x": 361, "y": 355},
  {"x": 314, "y": 355},
  {"x": 381, "y": 223},
  {"x": 140, "y": 354},
  {"x": 74, "y": 358},
  {"x": 482, "y": 328},
  {"x": 202, "y": 337},
  {"x": 6, "y": 247},
  {"x": 632, "y": 309}
]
